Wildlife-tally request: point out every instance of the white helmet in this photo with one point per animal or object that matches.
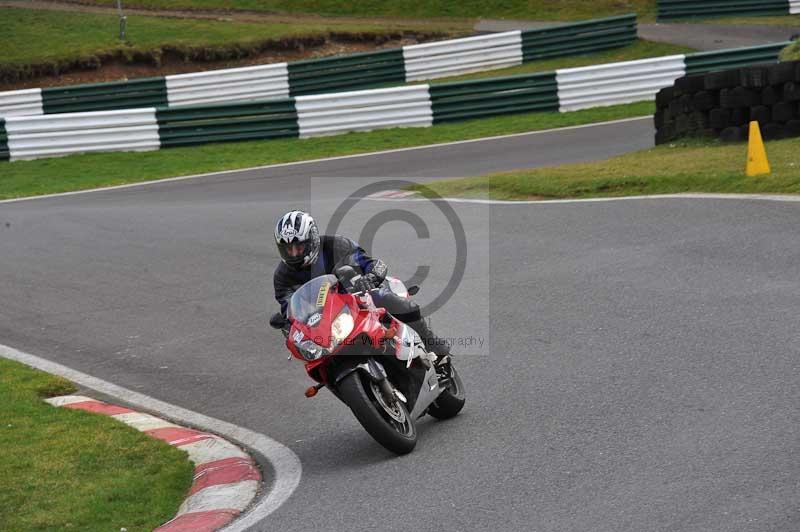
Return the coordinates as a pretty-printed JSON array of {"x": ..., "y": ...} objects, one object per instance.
[{"x": 297, "y": 237}]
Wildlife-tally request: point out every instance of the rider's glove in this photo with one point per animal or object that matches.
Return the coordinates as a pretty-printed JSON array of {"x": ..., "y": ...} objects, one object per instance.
[
  {"x": 365, "y": 283},
  {"x": 379, "y": 271}
]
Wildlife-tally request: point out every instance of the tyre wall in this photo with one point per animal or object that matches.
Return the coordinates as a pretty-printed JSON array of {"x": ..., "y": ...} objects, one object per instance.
[{"x": 722, "y": 104}]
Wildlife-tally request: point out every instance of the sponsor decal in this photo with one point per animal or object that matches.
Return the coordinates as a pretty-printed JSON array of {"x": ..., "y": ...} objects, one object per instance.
[
  {"x": 288, "y": 233},
  {"x": 323, "y": 294},
  {"x": 314, "y": 319}
]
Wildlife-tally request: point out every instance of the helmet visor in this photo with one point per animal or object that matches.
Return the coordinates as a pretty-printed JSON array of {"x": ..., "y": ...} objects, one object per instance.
[
  {"x": 296, "y": 253},
  {"x": 295, "y": 249}
]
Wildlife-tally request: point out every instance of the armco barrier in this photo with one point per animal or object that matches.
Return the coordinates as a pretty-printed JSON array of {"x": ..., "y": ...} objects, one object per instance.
[
  {"x": 262, "y": 82},
  {"x": 333, "y": 74},
  {"x": 721, "y": 104},
  {"x": 4, "y": 153},
  {"x": 328, "y": 114},
  {"x": 133, "y": 94},
  {"x": 578, "y": 38},
  {"x": 672, "y": 9},
  {"x": 727, "y": 59},
  {"x": 32, "y": 137},
  {"x": 21, "y": 103},
  {"x": 491, "y": 97},
  {"x": 202, "y": 124},
  {"x": 616, "y": 83},
  {"x": 357, "y": 71},
  {"x": 461, "y": 56}
]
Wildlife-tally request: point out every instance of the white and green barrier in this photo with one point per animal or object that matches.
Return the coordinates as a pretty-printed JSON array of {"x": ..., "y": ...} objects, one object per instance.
[
  {"x": 30, "y": 137},
  {"x": 34, "y": 137},
  {"x": 461, "y": 56},
  {"x": 616, "y": 83},
  {"x": 330, "y": 114},
  {"x": 635, "y": 81},
  {"x": 21, "y": 102},
  {"x": 203, "y": 124},
  {"x": 262, "y": 82},
  {"x": 495, "y": 96},
  {"x": 4, "y": 153},
  {"x": 384, "y": 68},
  {"x": 677, "y": 9}
]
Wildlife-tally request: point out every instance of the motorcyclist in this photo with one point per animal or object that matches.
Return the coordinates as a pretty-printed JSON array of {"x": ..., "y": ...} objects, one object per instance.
[{"x": 306, "y": 254}]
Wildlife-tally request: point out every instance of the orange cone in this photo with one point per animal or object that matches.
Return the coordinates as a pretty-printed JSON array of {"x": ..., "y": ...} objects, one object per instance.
[{"x": 757, "y": 163}]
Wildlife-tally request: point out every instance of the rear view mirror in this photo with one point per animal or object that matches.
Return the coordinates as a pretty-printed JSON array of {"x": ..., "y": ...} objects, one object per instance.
[
  {"x": 345, "y": 273},
  {"x": 412, "y": 290}
]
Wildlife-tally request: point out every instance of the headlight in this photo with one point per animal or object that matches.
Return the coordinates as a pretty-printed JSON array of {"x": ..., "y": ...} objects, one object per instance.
[
  {"x": 341, "y": 328},
  {"x": 310, "y": 350}
]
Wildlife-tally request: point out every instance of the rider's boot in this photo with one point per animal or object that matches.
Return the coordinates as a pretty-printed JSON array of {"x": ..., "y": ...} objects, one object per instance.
[{"x": 433, "y": 343}]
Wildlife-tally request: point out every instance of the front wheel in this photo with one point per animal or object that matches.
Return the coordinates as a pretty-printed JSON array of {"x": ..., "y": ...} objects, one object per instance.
[
  {"x": 450, "y": 401},
  {"x": 388, "y": 423}
]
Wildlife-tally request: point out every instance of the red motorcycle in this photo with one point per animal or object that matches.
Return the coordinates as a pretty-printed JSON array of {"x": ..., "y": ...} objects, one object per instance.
[{"x": 378, "y": 366}]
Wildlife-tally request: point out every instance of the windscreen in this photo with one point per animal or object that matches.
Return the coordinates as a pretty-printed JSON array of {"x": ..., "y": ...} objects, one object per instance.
[{"x": 310, "y": 299}]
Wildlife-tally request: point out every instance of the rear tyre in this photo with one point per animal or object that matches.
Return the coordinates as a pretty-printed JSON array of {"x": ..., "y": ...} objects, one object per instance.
[
  {"x": 389, "y": 424},
  {"x": 451, "y": 401}
]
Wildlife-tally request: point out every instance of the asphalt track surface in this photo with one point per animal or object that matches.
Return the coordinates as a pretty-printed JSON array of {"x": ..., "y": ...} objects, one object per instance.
[{"x": 640, "y": 370}]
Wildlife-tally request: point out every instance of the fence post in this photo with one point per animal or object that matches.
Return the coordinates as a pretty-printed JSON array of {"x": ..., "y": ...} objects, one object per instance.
[{"x": 123, "y": 21}]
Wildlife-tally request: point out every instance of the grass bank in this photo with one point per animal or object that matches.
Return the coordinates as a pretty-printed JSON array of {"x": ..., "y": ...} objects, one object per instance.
[
  {"x": 80, "y": 172},
  {"x": 523, "y": 9},
  {"x": 50, "y": 35},
  {"x": 48, "y": 42},
  {"x": 71, "y": 470},
  {"x": 692, "y": 166}
]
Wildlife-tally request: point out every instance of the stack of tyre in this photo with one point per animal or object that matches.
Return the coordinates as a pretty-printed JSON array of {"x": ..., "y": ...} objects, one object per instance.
[{"x": 722, "y": 104}]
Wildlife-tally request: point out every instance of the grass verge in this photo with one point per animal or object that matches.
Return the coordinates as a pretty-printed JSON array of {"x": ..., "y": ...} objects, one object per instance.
[
  {"x": 71, "y": 470},
  {"x": 691, "y": 166},
  {"x": 80, "y": 172},
  {"x": 791, "y": 52},
  {"x": 641, "y": 49}
]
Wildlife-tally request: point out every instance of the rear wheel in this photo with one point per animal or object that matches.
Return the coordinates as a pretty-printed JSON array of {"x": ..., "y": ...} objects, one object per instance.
[
  {"x": 386, "y": 421},
  {"x": 451, "y": 401}
]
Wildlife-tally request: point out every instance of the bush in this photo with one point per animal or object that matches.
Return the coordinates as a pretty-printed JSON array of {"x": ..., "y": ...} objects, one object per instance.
[{"x": 791, "y": 52}]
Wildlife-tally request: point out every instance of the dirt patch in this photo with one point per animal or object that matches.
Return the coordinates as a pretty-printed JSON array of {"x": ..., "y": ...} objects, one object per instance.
[{"x": 123, "y": 65}]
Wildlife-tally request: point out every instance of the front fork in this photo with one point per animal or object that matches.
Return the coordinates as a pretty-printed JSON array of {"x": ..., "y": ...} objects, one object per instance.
[{"x": 375, "y": 371}]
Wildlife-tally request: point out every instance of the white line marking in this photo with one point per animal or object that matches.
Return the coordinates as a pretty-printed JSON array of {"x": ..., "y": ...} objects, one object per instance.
[
  {"x": 325, "y": 159},
  {"x": 689, "y": 195},
  {"x": 286, "y": 464}
]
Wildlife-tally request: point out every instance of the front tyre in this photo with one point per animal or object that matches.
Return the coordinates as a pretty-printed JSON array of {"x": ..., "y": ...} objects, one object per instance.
[
  {"x": 450, "y": 401},
  {"x": 389, "y": 424}
]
